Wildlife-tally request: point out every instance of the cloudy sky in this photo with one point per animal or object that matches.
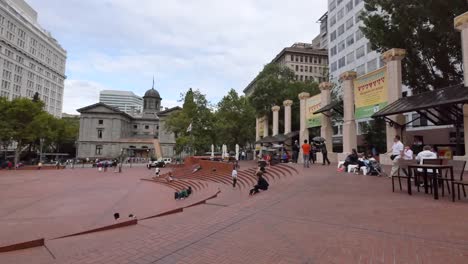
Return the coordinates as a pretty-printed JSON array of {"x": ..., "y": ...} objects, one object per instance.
[{"x": 211, "y": 45}]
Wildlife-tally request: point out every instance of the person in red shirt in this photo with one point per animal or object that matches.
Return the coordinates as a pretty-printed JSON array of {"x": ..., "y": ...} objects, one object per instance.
[{"x": 305, "y": 153}]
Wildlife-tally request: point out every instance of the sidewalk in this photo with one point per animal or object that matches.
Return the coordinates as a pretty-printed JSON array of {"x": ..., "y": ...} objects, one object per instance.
[{"x": 320, "y": 216}]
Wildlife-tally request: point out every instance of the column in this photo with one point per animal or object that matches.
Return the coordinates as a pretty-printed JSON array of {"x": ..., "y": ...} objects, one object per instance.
[
  {"x": 257, "y": 129},
  {"x": 304, "y": 132},
  {"x": 393, "y": 59},
  {"x": 287, "y": 116},
  {"x": 461, "y": 24},
  {"x": 275, "y": 110},
  {"x": 326, "y": 131},
  {"x": 265, "y": 126},
  {"x": 349, "y": 122}
]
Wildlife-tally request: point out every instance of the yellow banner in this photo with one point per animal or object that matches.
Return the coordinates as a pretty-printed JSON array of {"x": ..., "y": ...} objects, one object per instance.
[
  {"x": 370, "y": 93},
  {"x": 312, "y": 105}
]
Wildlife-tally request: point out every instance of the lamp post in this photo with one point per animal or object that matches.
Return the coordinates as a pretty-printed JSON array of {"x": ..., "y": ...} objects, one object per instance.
[
  {"x": 42, "y": 144},
  {"x": 120, "y": 160},
  {"x": 76, "y": 154}
]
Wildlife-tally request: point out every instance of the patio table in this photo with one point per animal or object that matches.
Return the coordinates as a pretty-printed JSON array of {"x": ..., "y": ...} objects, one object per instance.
[{"x": 435, "y": 182}]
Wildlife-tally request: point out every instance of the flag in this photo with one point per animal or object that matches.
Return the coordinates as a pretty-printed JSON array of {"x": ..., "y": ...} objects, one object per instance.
[{"x": 189, "y": 128}]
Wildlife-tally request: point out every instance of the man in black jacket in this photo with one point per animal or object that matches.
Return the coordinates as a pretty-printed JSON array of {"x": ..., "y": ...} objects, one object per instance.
[
  {"x": 262, "y": 184},
  {"x": 295, "y": 150}
]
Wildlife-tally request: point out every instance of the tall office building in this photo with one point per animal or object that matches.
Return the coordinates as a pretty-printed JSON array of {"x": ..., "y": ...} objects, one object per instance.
[
  {"x": 31, "y": 60},
  {"x": 349, "y": 50},
  {"x": 307, "y": 62},
  {"x": 125, "y": 101}
]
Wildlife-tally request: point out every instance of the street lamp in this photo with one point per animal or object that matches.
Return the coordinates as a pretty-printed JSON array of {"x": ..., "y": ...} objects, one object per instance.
[
  {"x": 120, "y": 162},
  {"x": 42, "y": 144}
]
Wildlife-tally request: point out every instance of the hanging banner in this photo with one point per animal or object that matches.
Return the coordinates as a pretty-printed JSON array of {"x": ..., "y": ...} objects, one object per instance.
[
  {"x": 313, "y": 104},
  {"x": 261, "y": 126},
  {"x": 370, "y": 93}
]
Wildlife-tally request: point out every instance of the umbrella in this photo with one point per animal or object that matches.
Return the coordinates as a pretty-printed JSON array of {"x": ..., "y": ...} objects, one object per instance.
[
  {"x": 318, "y": 139},
  {"x": 237, "y": 151},
  {"x": 212, "y": 151}
]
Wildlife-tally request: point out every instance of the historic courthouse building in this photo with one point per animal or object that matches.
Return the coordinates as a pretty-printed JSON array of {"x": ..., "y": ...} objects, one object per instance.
[{"x": 106, "y": 132}]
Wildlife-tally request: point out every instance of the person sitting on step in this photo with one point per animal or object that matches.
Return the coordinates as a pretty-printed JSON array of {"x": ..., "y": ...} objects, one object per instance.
[{"x": 262, "y": 184}]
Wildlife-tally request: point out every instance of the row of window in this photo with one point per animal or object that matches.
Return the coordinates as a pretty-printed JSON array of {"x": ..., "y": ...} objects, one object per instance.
[
  {"x": 101, "y": 122},
  {"x": 308, "y": 59},
  {"x": 305, "y": 68},
  {"x": 9, "y": 65},
  {"x": 304, "y": 78},
  {"x": 349, "y": 5},
  {"x": 36, "y": 48},
  {"x": 351, "y": 57},
  {"x": 346, "y": 26}
]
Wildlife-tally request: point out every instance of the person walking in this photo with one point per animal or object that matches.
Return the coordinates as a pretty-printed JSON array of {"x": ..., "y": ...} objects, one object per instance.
[
  {"x": 305, "y": 153},
  {"x": 295, "y": 149},
  {"x": 9, "y": 165},
  {"x": 234, "y": 177},
  {"x": 156, "y": 172},
  {"x": 323, "y": 148},
  {"x": 243, "y": 155},
  {"x": 397, "y": 147},
  {"x": 39, "y": 165}
]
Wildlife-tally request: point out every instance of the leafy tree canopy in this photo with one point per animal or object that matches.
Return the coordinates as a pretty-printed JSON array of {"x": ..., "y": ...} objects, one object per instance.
[{"x": 425, "y": 29}]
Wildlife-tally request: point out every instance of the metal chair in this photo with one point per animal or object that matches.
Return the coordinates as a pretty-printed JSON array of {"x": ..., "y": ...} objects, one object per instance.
[
  {"x": 458, "y": 169},
  {"x": 402, "y": 172}
]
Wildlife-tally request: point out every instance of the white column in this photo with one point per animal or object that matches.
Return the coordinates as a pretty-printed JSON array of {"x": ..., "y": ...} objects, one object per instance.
[
  {"x": 257, "y": 129},
  {"x": 393, "y": 59},
  {"x": 265, "y": 126},
  {"x": 349, "y": 122},
  {"x": 326, "y": 130},
  {"x": 461, "y": 24},
  {"x": 275, "y": 110},
  {"x": 304, "y": 132},
  {"x": 287, "y": 116}
]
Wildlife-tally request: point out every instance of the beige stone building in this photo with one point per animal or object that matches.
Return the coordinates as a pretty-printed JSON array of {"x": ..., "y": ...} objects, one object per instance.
[
  {"x": 31, "y": 60},
  {"x": 307, "y": 62}
]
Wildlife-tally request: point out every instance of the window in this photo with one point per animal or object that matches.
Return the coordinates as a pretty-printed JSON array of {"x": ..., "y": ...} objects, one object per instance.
[
  {"x": 369, "y": 47},
  {"x": 361, "y": 70},
  {"x": 419, "y": 120},
  {"x": 135, "y": 126},
  {"x": 350, "y": 57},
  {"x": 146, "y": 127},
  {"x": 349, "y": 6},
  {"x": 341, "y": 46},
  {"x": 359, "y": 34},
  {"x": 372, "y": 65},
  {"x": 297, "y": 67},
  {"x": 333, "y": 51},
  {"x": 98, "y": 150},
  {"x": 302, "y": 68},
  {"x": 101, "y": 122},
  {"x": 341, "y": 62},
  {"x": 302, "y": 59},
  {"x": 99, "y": 133},
  {"x": 292, "y": 57},
  {"x": 340, "y": 14},
  {"x": 357, "y": 17},
  {"x": 333, "y": 66},
  {"x": 333, "y": 36},
  {"x": 360, "y": 52},
  {"x": 332, "y": 21},
  {"x": 349, "y": 23},
  {"x": 341, "y": 30},
  {"x": 332, "y": 6},
  {"x": 350, "y": 40}
]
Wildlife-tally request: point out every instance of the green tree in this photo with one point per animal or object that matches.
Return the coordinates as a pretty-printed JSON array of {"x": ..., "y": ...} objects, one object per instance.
[
  {"x": 234, "y": 119},
  {"x": 275, "y": 83},
  {"x": 6, "y": 131},
  {"x": 374, "y": 134},
  {"x": 197, "y": 114},
  {"x": 425, "y": 29}
]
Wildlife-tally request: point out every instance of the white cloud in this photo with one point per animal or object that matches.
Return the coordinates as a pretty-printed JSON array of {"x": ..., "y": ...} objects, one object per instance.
[
  {"x": 208, "y": 44},
  {"x": 79, "y": 94}
]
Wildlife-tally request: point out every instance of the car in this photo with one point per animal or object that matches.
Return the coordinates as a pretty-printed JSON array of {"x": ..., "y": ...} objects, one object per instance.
[
  {"x": 167, "y": 160},
  {"x": 156, "y": 163}
]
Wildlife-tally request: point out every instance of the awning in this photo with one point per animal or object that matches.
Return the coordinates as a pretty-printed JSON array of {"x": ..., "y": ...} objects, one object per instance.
[
  {"x": 336, "y": 106},
  {"x": 442, "y": 106},
  {"x": 278, "y": 138}
]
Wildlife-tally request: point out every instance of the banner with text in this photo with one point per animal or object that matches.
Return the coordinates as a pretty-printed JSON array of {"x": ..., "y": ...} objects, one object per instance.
[
  {"x": 313, "y": 104},
  {"x": 370, "y": 93}
]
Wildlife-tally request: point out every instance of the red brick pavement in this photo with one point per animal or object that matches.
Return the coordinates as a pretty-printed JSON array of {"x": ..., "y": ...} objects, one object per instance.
[{"x": 318, "y": 217}]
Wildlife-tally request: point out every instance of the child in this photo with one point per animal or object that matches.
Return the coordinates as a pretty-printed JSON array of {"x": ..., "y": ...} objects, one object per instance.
[{"x": 234, "y": 177}]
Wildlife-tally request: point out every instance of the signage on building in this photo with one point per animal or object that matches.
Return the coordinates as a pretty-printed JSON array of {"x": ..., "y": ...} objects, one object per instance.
[
  {"x": 261, "y": 126},
  {"x": 370, "y": 93},
  {"x": 312, "y": 105}
]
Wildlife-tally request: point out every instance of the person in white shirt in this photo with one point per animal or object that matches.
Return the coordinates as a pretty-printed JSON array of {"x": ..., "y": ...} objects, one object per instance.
[
  {"x": 234, "y": 178},
  {"x": 407, "y": 153},
  {"x": 397, "y": 147},
  {"x": 426, "y": 154},
  {"x": 156, "y": 172}
]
